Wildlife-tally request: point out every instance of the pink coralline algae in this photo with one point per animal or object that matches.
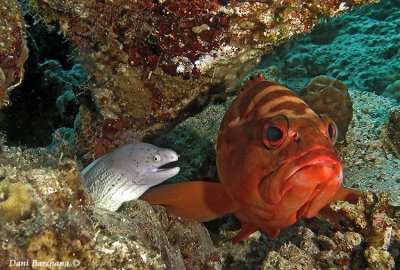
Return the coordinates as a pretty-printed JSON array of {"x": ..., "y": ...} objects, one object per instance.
[
  {"x": 151, "y": 60},
  {"x": 193, "y": 29},
  {"x": 13, "y": 49}
]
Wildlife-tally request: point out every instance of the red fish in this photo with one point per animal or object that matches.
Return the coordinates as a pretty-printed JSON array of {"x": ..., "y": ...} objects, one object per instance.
[{"x": 276, "y": 163}]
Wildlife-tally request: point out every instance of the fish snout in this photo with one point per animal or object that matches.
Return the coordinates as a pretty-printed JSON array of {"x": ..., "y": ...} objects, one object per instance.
[
  {"x": 302, "y": 187},
  {"x": 317, "y": 184},
  {"x": 166, "y": 156}
]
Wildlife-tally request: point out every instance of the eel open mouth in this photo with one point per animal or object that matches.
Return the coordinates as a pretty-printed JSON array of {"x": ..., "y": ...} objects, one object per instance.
[
  {"x": 165, "y": 168},
  {"x": 159, "y": 170}
]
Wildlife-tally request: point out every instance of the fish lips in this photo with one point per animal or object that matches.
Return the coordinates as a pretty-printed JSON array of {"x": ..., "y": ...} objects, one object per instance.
[
  {"x": 315, "y": 196},
  {"x": 304, "y": 185},
  {"x": 167, "y": 172}
]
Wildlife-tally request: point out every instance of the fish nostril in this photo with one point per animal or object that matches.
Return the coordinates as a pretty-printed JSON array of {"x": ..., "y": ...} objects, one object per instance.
[{"x": 296, "y": 137}]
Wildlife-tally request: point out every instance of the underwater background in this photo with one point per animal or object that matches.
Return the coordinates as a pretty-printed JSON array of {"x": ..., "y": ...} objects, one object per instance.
[{"x": 93, "y": 82}]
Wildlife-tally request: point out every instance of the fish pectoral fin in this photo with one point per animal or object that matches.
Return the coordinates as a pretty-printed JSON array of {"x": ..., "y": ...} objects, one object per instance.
[
  {"x": 192, "y": 201},
  {"x": 343, "y": 194},
  {"x": 246, "y": 230},
  {"x": 347, "y": 194}
]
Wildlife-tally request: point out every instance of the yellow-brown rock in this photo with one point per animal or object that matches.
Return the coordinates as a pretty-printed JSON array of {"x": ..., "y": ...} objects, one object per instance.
[{"x": 16, "y": 202}]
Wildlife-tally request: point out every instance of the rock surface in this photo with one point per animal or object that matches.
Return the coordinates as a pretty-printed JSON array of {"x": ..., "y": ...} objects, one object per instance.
[
  {"x": 63, "y": 227},
  {"x": 13, "y": 49}
]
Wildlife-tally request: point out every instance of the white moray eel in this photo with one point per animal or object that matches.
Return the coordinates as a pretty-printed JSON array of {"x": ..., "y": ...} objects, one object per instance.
[{"x": 125, "y": 173}]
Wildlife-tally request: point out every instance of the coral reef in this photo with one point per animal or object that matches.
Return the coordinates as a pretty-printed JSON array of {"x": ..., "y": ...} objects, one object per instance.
[
  {"x": 13, "y": 49},
  {"x": 146, "y": 73},
  {"x": 330, "y": 97},
  {"x": 379, "y": 224},
  {"x": 62, "y": 143},
  {"x": 315, "y": 251},
  {"x": 64, "y": 229},
  {"x": 62, "y": 83},
  {"x": 64, "y": 226},
  {"x": 361, "y": 239}
]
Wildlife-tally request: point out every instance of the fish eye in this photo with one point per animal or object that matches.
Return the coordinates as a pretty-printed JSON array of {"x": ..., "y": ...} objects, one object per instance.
[
  {"x": 275, "y": 132},
  {"x": 157, "y": 158},
  {"x": 330, "y": 127},
  {"x": 332, "y": 130}
]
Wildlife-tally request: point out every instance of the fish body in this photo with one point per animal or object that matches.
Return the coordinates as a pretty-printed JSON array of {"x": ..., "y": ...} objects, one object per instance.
[
  {"x": 276, "y": 163},
  {"x": 125, "y": 173},
  {"x": 276, "y": 157}
]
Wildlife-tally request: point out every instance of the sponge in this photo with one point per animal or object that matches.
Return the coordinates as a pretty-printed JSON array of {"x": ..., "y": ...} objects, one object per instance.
[
  {"x": 330, "y": 97},
  {"x": 393, "y": 90}
]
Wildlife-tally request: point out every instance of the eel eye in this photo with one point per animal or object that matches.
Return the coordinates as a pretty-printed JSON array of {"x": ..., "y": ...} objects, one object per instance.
[
  {"x": 275, "y": 132},
  {"x": 157, "y": 158},
  {"x": 330, "y": 127}
]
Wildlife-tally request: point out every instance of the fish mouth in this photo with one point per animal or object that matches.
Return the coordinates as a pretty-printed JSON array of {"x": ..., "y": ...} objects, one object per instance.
[
  {"x": 303, "y": 186},
  {"x": 316, "y": 194},
  {"x": 162, "y": 174},
  {"x": 163, "y": 170}
]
